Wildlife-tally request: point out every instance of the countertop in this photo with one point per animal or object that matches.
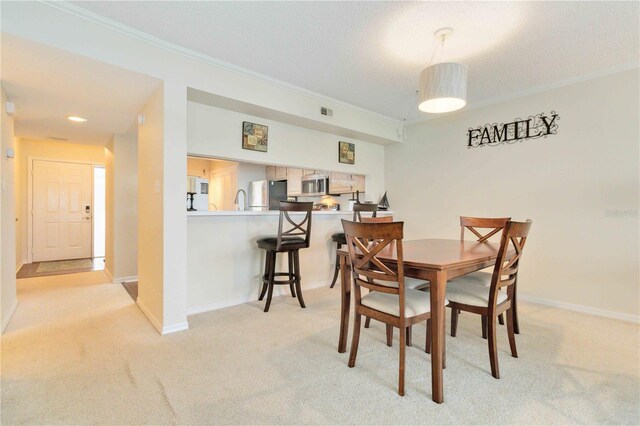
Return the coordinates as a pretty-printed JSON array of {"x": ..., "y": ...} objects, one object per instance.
[{"x": 273, "y": 213}]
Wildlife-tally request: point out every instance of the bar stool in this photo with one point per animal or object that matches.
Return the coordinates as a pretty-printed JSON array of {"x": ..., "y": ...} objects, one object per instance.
[
  {"x": 340, "y": 239},
  {"x": 290, "y": 241}
]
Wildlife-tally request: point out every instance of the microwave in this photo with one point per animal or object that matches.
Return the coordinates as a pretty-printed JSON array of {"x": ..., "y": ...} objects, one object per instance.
[{"x": 315, "y": 185}]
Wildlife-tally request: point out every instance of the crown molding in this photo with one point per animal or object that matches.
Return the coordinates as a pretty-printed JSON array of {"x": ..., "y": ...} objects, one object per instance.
[
  {"x": 544, "y": 88},
  {"x": 126, "y": 30}
]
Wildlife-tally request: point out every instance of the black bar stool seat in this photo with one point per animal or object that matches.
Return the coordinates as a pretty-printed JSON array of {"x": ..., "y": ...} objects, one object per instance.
[
  {"x": 339, "y": 238},
  {"x": 288, "y": 243}
]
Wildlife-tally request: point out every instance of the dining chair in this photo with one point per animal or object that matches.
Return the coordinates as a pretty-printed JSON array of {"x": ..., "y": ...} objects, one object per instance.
[
  {"x": 495, "y": 226},
  {"x": 293, "y": 235},
  {"x": 339, "y": 238},
  {"x": 471, "y": 296},
  {"x": 388, "y": 299},
  {"x": 408, "y": 283}
]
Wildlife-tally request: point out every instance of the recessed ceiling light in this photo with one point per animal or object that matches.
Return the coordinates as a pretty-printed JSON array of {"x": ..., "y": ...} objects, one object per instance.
[{"x": 76, "y": 119}]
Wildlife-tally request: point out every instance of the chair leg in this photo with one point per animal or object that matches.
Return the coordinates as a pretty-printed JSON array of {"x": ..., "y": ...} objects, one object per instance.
[
  {"x": 265, "y": 277},
  {"x": 493, "y": 347},
  {"x": 454, "y": 322},
  {"x": 296, "y": 258},
  {"x": 510, "y": 332},
  {"x": 389, "y": 335},
  {"x": 291, "y": 274},
  {"x": 367, "y": 322},
  {"x": 514, "y": 307},
  {"x": 409, "y": 333},
  {"x": 355, "y": 339},
  {"x": 427, "y": 343},
  {"x": 501, "y": 319},
  {"x": 336, "y": 272},
  {"x": 484, "y": 326},
  {"x": 403, "y": 350},
  {"x": 272, "y": 268}
]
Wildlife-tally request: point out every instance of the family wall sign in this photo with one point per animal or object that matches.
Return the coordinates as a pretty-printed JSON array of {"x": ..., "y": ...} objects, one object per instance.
[{"x": 536, "y": 126}]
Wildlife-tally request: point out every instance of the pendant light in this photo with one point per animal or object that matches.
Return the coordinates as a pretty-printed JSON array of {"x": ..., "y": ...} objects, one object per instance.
[{"x": 443, "y": 86}]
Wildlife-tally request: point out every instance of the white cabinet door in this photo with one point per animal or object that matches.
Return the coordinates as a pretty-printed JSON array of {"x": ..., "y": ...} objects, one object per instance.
[
  {"x": 62, "y": 210},
  {"x": 294, "y": 182}
]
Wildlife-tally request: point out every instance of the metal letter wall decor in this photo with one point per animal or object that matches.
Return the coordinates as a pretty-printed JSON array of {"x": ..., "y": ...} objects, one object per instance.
[{"x": 536, "y": 126}]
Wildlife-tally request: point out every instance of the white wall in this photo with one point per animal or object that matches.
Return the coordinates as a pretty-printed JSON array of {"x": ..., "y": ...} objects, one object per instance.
[
  {"x": 8, "y": 300},
  {"x": 122, "y": 212},
  {"x": 580, "y": 188},
  {"x": 162, "y": 185},
  {"x": 217, "y": 132},
  {"x": 150, "y": 212}
]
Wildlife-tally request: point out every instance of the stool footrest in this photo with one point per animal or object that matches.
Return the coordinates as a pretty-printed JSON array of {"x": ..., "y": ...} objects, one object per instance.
[{"x": 280, "y": 282}]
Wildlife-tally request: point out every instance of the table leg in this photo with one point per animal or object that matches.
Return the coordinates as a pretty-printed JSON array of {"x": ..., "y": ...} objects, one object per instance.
[
  {"x": 345, "y": 302},
  {"x": 437, "y": 292}
]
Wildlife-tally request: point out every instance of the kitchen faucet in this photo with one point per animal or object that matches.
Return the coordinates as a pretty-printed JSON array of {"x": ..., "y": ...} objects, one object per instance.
[{"x": 244, "y": 199}]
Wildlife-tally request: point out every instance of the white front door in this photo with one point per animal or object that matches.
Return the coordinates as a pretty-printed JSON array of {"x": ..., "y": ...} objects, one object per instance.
[{"x": 62, "y": 210}]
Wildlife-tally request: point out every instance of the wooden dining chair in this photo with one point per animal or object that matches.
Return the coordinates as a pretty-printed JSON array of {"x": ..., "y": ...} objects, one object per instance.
[
  {"x": 340, "y": 239},
  {"x": 478, "y": 226},
  {"x": 388, "y": 299},
  {"x": 408, "y": 283},
  {"x": 489, "y": 302}
]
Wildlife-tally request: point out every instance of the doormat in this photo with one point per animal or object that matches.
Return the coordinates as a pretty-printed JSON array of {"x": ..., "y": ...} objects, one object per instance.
[{"x": 64, "y": 265}]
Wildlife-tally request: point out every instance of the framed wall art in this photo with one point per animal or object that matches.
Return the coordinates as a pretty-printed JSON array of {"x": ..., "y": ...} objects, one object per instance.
[
  {"x": 346, "y": 152},
  {"x": 255, "y": 136}
]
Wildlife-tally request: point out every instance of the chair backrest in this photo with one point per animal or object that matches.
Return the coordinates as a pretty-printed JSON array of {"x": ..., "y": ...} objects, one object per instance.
[
  {"x": 365, "y": 242},
  {"x": 505, "y": 271},
  {"x": 295, "y": 228},
  {"x": 358, "y": 208},
  {"x": 496, "y": 224},
  {"x": 379, "y": 219}
]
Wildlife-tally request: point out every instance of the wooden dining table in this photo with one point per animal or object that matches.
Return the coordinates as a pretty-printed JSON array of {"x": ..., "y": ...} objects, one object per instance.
[{"x": 435, "y": 260}]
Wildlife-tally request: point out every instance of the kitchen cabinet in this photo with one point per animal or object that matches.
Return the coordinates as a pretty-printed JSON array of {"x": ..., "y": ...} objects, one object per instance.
[
  {"x": 294, "y": 182},
  {"x": 307, "y": 172},
  {"x": 276, "y": 173},
  {"x": 358, "y": 183},
  {"x": 343, "y": 183}
]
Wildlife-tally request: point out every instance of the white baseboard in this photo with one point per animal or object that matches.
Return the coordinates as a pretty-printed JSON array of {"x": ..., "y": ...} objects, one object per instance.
[
  {"x": 162, "y": 330},
  {"x": 120, "y": 280},
  {"x": 149, "y": 315},
  {"x": 579, "y": 308},
  {"x": 175, "y": 328},
  {"x": 7, "y": 317},
  {"x": 278, "y": 291},
  {"x": 108, "y": 273}
]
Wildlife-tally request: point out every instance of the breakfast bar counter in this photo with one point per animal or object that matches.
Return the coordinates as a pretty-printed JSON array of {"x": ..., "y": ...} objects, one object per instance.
[{"x": 224, "y": 264}]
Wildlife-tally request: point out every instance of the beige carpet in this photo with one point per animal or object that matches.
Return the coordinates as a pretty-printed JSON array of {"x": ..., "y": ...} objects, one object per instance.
[
  {"x": 64, "y": 265},
  {"x": 80, "y": 352}
]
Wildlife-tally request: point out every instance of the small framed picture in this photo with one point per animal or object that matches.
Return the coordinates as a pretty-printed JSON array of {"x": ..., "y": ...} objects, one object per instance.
[
  {"x": 255, "y": 136},
  {"x": 346, "y": 152}
]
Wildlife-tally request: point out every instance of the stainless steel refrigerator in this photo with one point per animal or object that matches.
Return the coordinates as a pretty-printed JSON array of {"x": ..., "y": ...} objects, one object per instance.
[{"x": 267, "y": 194}]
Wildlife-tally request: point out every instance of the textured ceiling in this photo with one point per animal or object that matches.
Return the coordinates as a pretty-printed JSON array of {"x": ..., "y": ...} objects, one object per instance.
[
  {"x": 369, "y": 54},
  {"x": 47, "y": 85}
]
